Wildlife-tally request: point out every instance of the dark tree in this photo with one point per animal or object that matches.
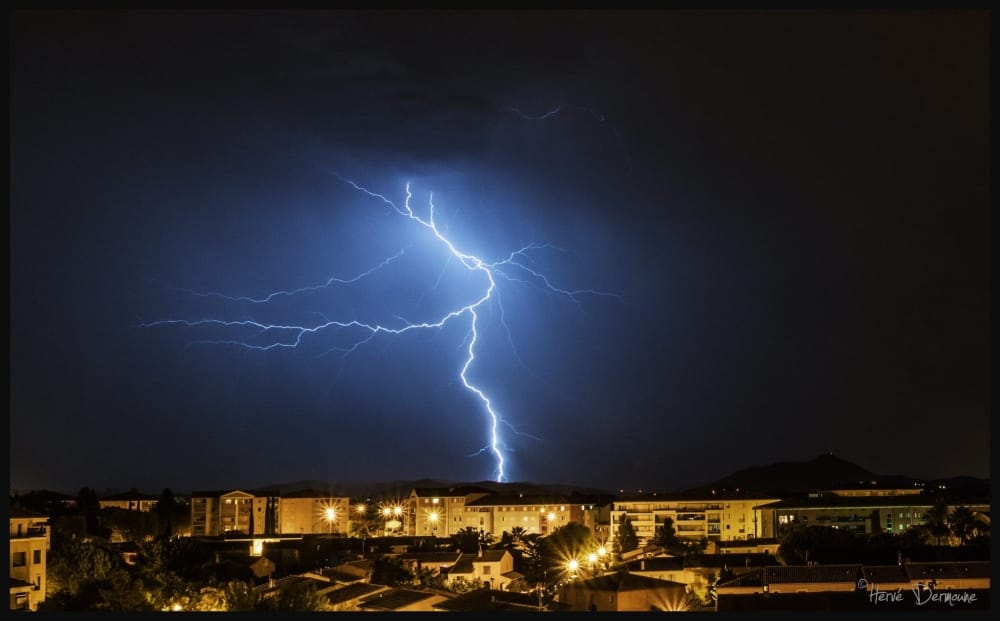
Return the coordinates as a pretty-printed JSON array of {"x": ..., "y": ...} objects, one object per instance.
[
  {"x": 572, "y": 541},
  {"x": 967, "y": 525},
  {"x": 88, "y": 504},
  {"x": 666, "y": 536},
  {"x": 821, "y": 544},
  {"x": 466, "y": 540},
  {"x": 626, "y": 538},
  {"x": 936, "y": 520},
  {"x": 298, "y": 598}
]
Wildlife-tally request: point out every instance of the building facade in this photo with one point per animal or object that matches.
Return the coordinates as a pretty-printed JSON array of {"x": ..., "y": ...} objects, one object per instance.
[
  {"x": 863, "y": 514},
  {"x": 268, "y": 512},
  {"x": 29, "y": 545},
  {"x": 439, "y": 511},
  {"x": 313, "y": 512},
  {"x": 715, "y": 515}
]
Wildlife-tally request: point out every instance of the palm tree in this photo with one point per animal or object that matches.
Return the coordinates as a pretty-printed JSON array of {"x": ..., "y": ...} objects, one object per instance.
[
  {"x": 967, "y": 524},
  {"x": 936, "y": 520}
]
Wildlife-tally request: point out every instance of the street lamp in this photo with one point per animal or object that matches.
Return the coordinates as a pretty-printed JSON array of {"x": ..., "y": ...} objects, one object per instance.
[
  {"x": 573, "y": 565},
  {"x": 330, "y": 515}
]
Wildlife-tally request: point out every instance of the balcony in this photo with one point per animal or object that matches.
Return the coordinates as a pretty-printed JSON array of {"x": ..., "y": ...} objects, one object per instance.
[{"x": 34, "y": 531}]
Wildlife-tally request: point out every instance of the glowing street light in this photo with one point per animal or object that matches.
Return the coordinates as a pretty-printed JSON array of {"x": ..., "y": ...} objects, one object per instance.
[
  {"x": 573, "y": 565},
  {"x": 330, "y": 514},
  {"x": 360, "y": 509}
]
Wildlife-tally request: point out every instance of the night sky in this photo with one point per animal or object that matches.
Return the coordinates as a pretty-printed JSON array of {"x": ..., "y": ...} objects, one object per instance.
[{"x": 792, "y": 206}]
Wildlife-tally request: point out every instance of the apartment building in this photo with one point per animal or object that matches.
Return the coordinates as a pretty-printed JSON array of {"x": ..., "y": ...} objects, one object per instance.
[
  {"x": 268, "y": 512},
  {"x": 860, "y": 513},
  {"x": 439, "y": 511},
  {"x": 716, "y": 515},
  {"x": 29, "y": 545}
]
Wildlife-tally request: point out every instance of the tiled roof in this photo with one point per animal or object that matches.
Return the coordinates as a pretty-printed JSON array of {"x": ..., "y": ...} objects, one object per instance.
[
  {"x": 432, "y": 557},
  {"x": 394, "y": 599},
  {"x": 496, "y": 500},
  {"x": 462, "y": 566},
  {"x": 489, "y": 556},
  {"x": 489, "y": 599},
  {"x": 950, "y": 570},
  {"x": 812, "y": 573},
  {"x": 830, "y": 500},
  {"x": 658, "y": 563},
  {"x": 747, "y": 543},
  {"x": 449, "y": 492},
  {"x": 750, "y": 559},
  {"x": 310, "y": 493},
  {"x": 874, "y": 574},
  {"x": 352, "y": 591},
  {"x": 19, "y": 513},
  {"x": 884, "y": 574},
  {"x": 750, "y": 579},
  {"x": 700, "y": 495},
  {"x": 130, "y": 495},
  {"x": 626, "y": 582}
]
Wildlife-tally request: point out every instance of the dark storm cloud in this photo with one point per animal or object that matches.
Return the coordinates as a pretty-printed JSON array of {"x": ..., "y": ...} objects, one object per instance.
[{"x": 792, "y": 205}]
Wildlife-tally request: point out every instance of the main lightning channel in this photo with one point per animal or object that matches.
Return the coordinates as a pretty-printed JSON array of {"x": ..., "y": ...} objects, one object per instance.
[{"x": 369, "y": 330}]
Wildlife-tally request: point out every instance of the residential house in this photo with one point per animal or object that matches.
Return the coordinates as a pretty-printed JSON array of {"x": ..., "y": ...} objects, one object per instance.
[
  {"x": 621, "y": 592},
  {"x": 494, "y": 568}
]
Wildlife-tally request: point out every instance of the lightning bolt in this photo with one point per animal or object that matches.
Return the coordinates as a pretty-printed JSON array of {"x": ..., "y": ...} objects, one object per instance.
[{"x": 514, "y": 268}]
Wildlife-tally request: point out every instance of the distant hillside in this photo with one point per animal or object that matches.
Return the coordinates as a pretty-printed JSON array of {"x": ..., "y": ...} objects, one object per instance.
[
  {"x": 401, "y": 489},
  {"x": 831, "y": 472},
  {"x": 790, "y": 477}
]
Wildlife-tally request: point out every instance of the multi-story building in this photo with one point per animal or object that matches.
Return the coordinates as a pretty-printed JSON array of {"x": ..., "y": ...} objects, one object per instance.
[
  {"x": 131, "y": 500},
  {"x": 267, "y": 512},
  {"x": 29, "y": 544},
  {"x": 716, "y": 515},
  {"x": 439, "y": 511},
  {"x": 536, "y": 514},
  {"x": 216, "y": 513},
  {"x": 859, "y": 513},
  {"x": 310, "y": 511}
]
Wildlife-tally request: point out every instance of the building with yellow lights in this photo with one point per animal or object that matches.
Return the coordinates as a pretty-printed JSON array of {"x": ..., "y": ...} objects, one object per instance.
[
  {"x": 29, "y": 545},
  {"x": 862, "y": 513},
  {"x": 310, "y": 511},
  {"x": 439, "y": 511},
  {"x": 267, "y": 512},
  {"x": 536, "y": 514},
  {"x": 716, "y": 515}
]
